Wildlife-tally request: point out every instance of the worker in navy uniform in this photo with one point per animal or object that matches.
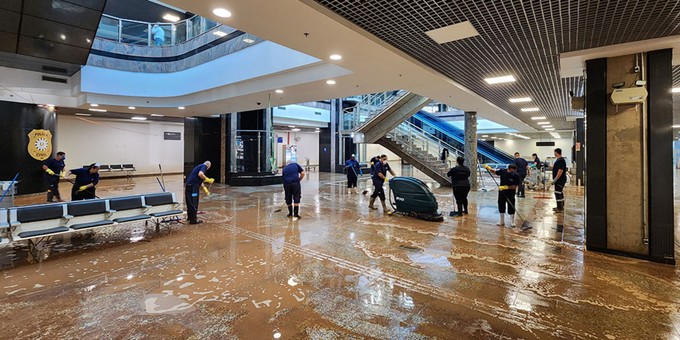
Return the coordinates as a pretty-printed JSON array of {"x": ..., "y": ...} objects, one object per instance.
[
  {"x": 522, "y": 171},
  {"x": 461, "y": 186},
  {"x": 559, "y": 175},
  {"x": 506, "y": 192},
  {"x": 537, "y": 161},
  {"x": 379, "y": 178},
  {"x": 54, "y": 170},
  {"x": 195, "y": 181},
  {"x": 85, "y": 184},
  {"x": 353, "y": 171},
  {"x": 292, "y": 175}
]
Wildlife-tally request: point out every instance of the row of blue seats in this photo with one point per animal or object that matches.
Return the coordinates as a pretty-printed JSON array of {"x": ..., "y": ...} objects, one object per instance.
[{"x": 34, "y": 221}]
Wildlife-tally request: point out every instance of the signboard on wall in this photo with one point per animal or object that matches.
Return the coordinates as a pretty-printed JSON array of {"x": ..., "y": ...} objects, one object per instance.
[{"x": 172, "y": 135}]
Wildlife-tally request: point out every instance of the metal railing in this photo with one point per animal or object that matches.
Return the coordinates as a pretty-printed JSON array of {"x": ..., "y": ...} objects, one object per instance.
[
  {"x": 417, "y": 141},
  {"x": 367, "y": 107},
  {"x": 143, "y": 33}
]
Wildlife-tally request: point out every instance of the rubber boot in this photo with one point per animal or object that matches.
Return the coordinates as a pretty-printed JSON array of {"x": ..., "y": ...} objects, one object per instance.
[
  {"x": 296, "y": 211},
  {"x": 460, "y": 209},
  {"x": 465, "y": 208},
  {"x": 385, "y": 209},
  {"x": 290, "y": 211},
  {"x": 356, "y": 190},
  {"x": 502, "y": 222},
  {"x": 370, "y": 204},
  {"x": 512, "y": 220}
]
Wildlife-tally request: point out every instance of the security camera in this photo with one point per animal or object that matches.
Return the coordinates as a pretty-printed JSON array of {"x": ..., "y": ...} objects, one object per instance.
[{"x": 258, "y": 103}]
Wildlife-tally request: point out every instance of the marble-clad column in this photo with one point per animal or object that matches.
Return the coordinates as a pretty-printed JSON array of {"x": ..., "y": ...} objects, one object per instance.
[{"x": 471, "y": 146}]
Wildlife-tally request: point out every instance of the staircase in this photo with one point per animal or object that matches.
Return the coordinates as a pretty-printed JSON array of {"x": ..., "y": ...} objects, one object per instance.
[{"x": 420, "y": 149}]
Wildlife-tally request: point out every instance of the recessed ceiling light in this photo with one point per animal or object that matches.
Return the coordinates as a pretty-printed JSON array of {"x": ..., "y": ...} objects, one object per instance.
[
  {"x": 520, "y": 100},
  {"x": 219, "y": 33},
  {"x": 330, "y": 82},
  {"x": 222, "y": 13},
  {"x": 171, "y": 17},
  {"x": 530, "y": 109},
  {"x": 675, "y": 89},
  {"x": 291, "y": 126},
  {"x": 499, "y": 80},
  {"x": 248, "y": 41},
  {"x": 138, "y": 118},
  {"x": 335, "y": 57},
  {"x": 543, "y": 123},
  {"x": 318, "y": 131},
  {"x": 279, "y": 91},
  {"x": 181, "y": 107},
  {"x": 549, "y": 129},
  {"x": 88, "y": 40},
  {"x": 485, "y": 135},
  {"x": 62, "y": 36},
  {"x": 94, "y": 105},
  {"x": 295, "y": 130},
  {"x": 97, "y": 110},
  {"x": 156, "y": 115},
  {"x": 555, "y": 135},
  {"x": 675, "y": 126},
  {"x": 494, "y": 137},
  {"x": 537, "y": 118},
  {"x": 83, "y": 114}
]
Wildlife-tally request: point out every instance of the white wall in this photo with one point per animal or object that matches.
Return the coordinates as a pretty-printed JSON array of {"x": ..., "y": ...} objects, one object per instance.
[
  {"x": 307, "y": 146},
  {"x": 377, "y": 149},
  {"x": 528, "y": 146},
  {"x": 91, "y": 140}
]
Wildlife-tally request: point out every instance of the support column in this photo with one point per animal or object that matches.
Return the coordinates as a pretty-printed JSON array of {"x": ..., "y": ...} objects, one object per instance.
[
  {"x": 579, "y": 157},
  {"x": 471, "y": 146}
]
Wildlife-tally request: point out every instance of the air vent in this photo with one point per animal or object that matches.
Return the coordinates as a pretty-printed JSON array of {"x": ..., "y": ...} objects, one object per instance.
[
  {"x": 55, "y": 79},
  {"x": 53, "y": 69},
  {"x": 545, "y": 143}
]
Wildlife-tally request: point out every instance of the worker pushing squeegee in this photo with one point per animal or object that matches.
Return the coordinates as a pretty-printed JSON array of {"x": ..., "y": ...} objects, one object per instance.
[
  {"x": 506, "y": 192},
  {"x": 195, "y": 180}
]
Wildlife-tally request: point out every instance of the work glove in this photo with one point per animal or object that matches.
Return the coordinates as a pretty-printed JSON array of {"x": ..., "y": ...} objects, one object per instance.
[
  {"x": 205, "y": 189},
  {"x": 209, "y": 180},
  {"x": 62, "y": 174},
  {"x": 82, "y": 188},
  {"x": 487, "y": 167},
  {"x": 503, "y": 187},
  {"x": 386, "y": 180},
  {"x": 49, "y": 172}
]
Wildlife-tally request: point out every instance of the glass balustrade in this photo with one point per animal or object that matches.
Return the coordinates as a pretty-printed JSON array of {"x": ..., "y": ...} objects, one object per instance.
[
  {"x": 145, "y": 33},
  {"x": 252, "y": 152}
]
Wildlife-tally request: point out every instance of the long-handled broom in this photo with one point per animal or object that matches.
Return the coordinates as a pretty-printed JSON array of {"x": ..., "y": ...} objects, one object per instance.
[{"x": 525, "y": 225}]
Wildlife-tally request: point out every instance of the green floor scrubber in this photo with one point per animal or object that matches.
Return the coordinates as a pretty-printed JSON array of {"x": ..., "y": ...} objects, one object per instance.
[{"x": 411, "y": 196}]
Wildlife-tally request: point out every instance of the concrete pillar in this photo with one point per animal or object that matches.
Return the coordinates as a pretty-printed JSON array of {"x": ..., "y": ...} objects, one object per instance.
[{"x": 471, "y": 146}]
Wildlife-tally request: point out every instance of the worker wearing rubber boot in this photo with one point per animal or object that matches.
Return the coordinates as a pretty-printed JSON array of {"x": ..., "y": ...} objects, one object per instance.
[
  {"x": 559, "y": 174},
  {"x": 353, "y": 171},
  {"x": 506, "y": 192},
  {"x": 522, "y": 170},
  {"x": 460, "y": 182},
  {"x": 379, "y": 178},
  {"x": 196, "y": 180},
  {"x": 54, "y": 170},
  {"x": 292, "y": 175},
  {"x": 85, "y": 184}
]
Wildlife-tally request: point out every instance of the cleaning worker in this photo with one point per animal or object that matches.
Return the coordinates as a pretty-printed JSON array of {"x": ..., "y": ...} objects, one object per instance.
[
  {"x": 506, "y": 192},
  {"x": 559, "y": 174},
  {"x": 461, "y": 186},
  {"x": 54, "y": 170},
  {"x": 84, "y": 187},
  {"x": 371, "y": 167},
  {"x": 523, "y": 171},
  {"x": 292, "y": 175},
  {"x": 353, "y": 171},
  {"x": 196, "y": 180},
  {"x": 379, "y": 178}
]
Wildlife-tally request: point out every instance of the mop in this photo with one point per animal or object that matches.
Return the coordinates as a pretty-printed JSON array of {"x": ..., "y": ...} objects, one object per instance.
[
  {"x": 525, "y": 225},
  {"x": 74, "y": 183},
  {"x": 481, "y": 177}
]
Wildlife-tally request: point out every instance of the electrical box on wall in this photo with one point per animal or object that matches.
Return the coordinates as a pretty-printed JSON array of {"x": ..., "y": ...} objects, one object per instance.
[{"x": 633, "y": 95}]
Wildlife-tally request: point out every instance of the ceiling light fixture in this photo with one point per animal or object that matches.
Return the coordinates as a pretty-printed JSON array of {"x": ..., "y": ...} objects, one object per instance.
[
  {"x": 461, "y": 30},
  {"x": 295, "y": 130},
  {"x": 500, "y": 80},
  {"x": 83, "y": 114},
  {"x": 222, "y": 13},
  {"x": 547, "y": 126},
  {"x": 171, "y": 17},
  {"x": 131, "y": 107},
  {"x": 555, "y": 135},
  {"x": 520, "y": 100},
  {"x": 94, "y": 105},
  {"x": 97, "y": 110},
  {"x": 62, "y": 36},
  {"x": 530, "y": 109},
  {"x": 549, "y": 129},
  {"x": 543, "y": 123},
  {"x": 156, "y": 115},
  {"x": 181, "y": 107},
  {"x": 330, "y": 82},
  {"x": 335, "y": 57},
  {"x": 248, "y": 41},
  {"x": 138, "y": 118},
  {"x": 219, "y": 33},
  {"x": 485, "y": 136},
  {"x": 675, "y": 126},
  {"x": 675, "y": 89},
  {"x": 279, "y": 91},
  {"x": 88, "y": 40},
  {"x": 537, "y": 118}
]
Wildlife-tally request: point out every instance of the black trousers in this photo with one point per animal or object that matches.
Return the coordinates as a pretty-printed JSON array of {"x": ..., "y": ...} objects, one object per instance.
[
  {"x": 504, "y": 197},
  {"x": 293, "y": 192},
  {"x": 86, "y": 194},
  {"x": 520, "y": 187},
  {"x": 378, "y": 190},
  {"x": 52, "y": 188},
  {"x": 351, "y": 179},
  {"x": 559, "y": 194},
  {"x": 191, "y": 200},
  {"x": 460, "y": 194}
]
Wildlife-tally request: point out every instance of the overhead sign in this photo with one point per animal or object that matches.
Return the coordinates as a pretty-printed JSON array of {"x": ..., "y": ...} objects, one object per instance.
[
  {"x": 40, "y": 144},
  {"x": 172, "y": 135}
]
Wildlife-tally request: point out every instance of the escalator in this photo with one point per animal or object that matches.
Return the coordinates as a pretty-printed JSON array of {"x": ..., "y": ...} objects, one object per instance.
[{"x": 448, "y": 133}]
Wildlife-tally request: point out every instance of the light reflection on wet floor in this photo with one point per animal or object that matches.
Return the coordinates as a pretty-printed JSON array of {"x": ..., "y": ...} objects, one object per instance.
[{"x": 341, "y": 272}]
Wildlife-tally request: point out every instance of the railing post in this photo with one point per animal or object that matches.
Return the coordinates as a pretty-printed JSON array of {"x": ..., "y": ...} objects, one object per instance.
[
  {"x": 149, "y": 38},
  {"x": 120, "y": 31}
]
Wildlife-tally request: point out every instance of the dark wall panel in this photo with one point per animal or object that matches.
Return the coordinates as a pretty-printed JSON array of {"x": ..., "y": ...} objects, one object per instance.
[
  {"x": 17, "y": 121},
  {"x": 202, "y": 142},
  {"x": 325, "y": 150},
  {"x": 660, "y": 153},
  {"x": 596, "y": 154},
  {"x": 579, "y": 156}
]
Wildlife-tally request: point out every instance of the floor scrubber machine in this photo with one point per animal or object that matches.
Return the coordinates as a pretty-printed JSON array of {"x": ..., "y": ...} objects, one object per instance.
[{"x": 411, "y": 196}]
